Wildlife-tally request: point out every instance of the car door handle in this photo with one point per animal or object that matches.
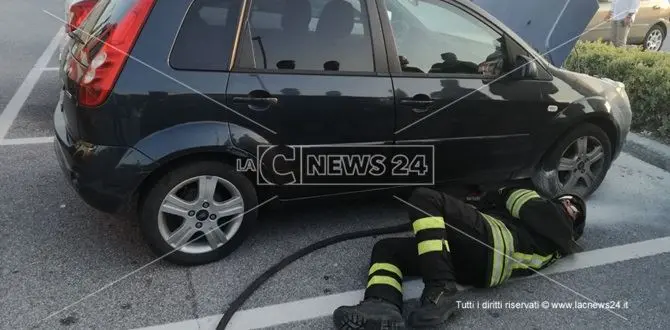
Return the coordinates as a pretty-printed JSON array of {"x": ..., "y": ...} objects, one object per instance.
[
  {"x": 416, "y": 102},
  {"x": 418, "y": 105},
  {"x": 656, "y": 7},
  {"x": 256, "y": 100}
]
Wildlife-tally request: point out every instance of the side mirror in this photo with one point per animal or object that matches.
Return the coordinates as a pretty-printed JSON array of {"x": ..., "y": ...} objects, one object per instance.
[{"x": 524, "y": 67}]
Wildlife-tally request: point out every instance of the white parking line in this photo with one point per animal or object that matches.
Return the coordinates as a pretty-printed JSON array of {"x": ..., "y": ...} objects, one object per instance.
[
  {"x": 21, "y": 141},
  {"x": 322, "y": 306},
  {"x": 12, "y": 109},
  {"x": 30, "y": 140},
  {"x": 54, "y": 68}
]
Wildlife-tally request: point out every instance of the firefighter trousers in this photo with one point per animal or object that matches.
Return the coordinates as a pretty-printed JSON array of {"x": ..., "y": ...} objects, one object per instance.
[{"x": 449, "y": 245}]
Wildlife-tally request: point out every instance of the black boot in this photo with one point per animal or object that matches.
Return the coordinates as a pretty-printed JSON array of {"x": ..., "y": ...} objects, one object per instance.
[
  {"x": 438, "y": 303},
  {"x": 370, "y": 314}
]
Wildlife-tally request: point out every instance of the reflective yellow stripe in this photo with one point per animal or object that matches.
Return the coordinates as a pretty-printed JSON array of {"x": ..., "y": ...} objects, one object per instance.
[
  {"x": 534, "y": 261},
  {"x": 503, "y": 248},
  {"x": 520, "y": 261},
  {"x": 446, "y": 245},
  {"x": 496, "y": 267},
  {"x": 517, "y": 265},
  {"x": 503, "y": 243},
  {"x": 522, "y": 200},
  {"x": 430, "y": 246},
  {"x": 386, "y": 280},
  {"x": 513, "y": 197},
  {"x": 509, "y": 247},
  {"x": 517, "y": 199},
  {"x": 385, "y": 266},
  {"x": 428, "y": 223},
  {"x": 522, "y": 194}
]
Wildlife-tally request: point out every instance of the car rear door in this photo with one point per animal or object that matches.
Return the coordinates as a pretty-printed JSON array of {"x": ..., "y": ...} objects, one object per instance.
[
  {"x": 481, "y": 129},
  {"x": 312, "y": 72}
]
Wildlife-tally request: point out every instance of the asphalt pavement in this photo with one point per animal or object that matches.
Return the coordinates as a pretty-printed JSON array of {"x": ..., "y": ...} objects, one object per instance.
[{"x": 64, "y": 265}]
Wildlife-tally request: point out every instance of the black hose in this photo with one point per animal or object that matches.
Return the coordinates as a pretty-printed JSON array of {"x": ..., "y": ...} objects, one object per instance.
[{"x": 251, "y": 288}]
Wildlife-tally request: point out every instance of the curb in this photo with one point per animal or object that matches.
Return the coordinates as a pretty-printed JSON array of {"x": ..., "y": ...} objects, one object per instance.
[{"x": 650, "y": 151}]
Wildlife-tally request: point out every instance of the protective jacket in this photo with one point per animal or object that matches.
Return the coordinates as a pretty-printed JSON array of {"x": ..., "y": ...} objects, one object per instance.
[
  {"x": 532, "y": 231},
  {"x": 509, "y": 232}
]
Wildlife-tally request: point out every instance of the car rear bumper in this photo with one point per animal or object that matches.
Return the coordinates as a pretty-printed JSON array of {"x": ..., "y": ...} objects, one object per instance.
[{"x": 105, "y": 177}]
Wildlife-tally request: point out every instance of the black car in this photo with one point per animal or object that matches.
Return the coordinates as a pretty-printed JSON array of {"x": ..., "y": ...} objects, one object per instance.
[{"x": 164, "y": 101}]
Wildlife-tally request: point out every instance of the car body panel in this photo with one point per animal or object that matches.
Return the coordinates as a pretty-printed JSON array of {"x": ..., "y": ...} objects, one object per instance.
[
  {"x": 150, "y": 100},
  {"x": 515, "y": 129},
  {"x": 105, "y": 176},
  {"x": 191, "y": 137},
  {"x": 157, "y": 113},
  {"x": 314, "y": 108},
  {"x": 580, "y": 98},
  {"x": 488, "y": 127},
  {"x": 359, "y": 108},
  {"x": 482, "y": 130}
]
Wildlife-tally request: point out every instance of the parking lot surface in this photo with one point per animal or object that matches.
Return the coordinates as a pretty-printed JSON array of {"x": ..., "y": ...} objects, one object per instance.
[{"x": 65, "y": 265}]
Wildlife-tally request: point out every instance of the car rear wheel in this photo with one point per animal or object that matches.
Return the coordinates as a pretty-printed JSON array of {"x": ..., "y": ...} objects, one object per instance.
[
  {"x": 198, "y": 213},
  {"x": 653, "y": 41},
  {"x": 576, "y": 164}
]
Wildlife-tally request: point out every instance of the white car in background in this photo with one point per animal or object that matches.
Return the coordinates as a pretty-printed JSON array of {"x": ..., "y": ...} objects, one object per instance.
[{"x": 649, "y": 29}]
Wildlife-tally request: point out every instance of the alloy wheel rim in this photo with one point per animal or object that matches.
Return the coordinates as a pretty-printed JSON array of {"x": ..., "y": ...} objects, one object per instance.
[
  {"x": 581, "y": 164},
  {"x": 200, "y": 214},
  {"x": 654, "y": 40}
]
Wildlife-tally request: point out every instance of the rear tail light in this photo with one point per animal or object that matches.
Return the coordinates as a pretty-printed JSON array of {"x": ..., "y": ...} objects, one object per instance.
[
  {"x": 78, "y": 13},
  {"x": 112, "y": 54}
]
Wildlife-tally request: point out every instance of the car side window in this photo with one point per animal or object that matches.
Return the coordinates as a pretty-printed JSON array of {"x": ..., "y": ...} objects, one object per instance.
[
  {"x": 205, "y": 39},
  {"x": 311, "y": 35},
  {"x": 432, "y": 36}
]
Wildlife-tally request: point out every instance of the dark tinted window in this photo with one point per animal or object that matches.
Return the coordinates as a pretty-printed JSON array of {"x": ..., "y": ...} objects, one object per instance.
[
  {"x": 317, "y": 35},
  {"x": 432, "y": 36},
  {"x": 206, "y": 37}
]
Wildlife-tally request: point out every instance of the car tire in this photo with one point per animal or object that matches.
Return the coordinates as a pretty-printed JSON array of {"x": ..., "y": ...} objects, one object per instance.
[
  {"x": 177, "y": 220},
  {"x": 576, "y": 164},
  {"x": 654, "y": 39}
]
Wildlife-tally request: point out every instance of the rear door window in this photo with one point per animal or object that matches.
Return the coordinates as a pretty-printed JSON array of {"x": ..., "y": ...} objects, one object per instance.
[
  {"x": 206, "y": 36},
  {"x": 307, "y": 35}
]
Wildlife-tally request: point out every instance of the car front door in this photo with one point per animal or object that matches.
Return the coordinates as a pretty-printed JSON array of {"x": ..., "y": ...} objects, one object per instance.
[
  {"x": 312, "y": 72},
  {"x": 481, "y": 129}
]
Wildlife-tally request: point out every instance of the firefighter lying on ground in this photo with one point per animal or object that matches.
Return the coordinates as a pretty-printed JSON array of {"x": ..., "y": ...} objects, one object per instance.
[{"x": 454, "y": 243}]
